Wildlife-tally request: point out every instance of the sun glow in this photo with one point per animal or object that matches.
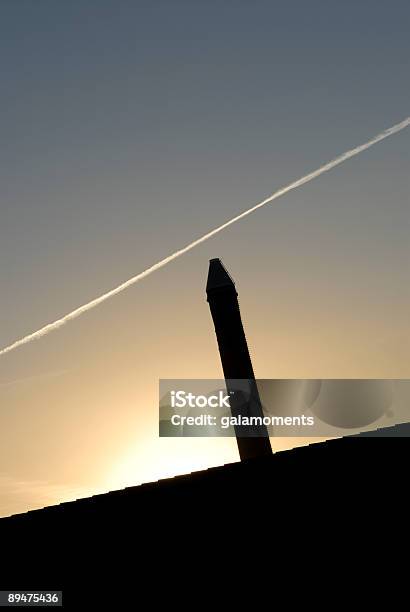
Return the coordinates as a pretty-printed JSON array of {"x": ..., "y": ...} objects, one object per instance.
[{"x": 169, "y": 457}]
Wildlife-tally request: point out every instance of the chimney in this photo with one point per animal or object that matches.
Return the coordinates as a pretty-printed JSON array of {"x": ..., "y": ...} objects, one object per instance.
[{"x": 253, "y": 441}]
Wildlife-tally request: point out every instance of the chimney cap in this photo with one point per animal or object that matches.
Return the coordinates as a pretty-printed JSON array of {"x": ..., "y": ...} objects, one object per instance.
[{"x": 218, "y": 277}]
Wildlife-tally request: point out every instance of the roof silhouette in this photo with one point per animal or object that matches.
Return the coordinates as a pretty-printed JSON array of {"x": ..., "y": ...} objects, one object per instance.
[{"x": 193, "y": 526}]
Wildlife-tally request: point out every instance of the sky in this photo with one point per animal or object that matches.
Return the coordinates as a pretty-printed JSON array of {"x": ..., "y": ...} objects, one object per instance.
[{"x": 129, "y": 128}]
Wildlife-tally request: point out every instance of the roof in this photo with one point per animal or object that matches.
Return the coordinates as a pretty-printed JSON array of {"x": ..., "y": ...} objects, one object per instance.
[{"x": 248, "y": 516}]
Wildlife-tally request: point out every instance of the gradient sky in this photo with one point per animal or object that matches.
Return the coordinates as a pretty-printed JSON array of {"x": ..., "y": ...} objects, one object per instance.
[{"x": 128, "y": 129}]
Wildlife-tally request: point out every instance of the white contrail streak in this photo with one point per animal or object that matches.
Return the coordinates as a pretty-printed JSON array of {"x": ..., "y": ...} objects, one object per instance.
[
  {"x": 32, "y": 379},
  {"x": 305, "y": 179}
]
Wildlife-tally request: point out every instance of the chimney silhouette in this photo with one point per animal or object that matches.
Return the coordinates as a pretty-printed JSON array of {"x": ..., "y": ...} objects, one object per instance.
[{"x": 253, "y": 441}]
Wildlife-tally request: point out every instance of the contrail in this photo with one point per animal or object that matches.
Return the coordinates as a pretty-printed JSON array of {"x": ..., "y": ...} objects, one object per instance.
[
  {"x": 160, "y": 264},
  {"x": 30, "y": 379}
]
